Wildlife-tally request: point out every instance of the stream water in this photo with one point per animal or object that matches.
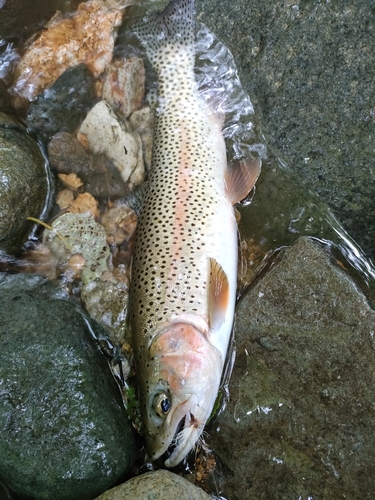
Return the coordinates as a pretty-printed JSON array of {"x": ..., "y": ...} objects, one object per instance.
[{"x": 281, "y": 208}]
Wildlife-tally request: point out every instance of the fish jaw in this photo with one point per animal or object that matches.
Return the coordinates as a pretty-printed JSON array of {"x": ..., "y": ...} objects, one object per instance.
[
  {"x": 188, "y": 436},
  {"x": 187, "y": 368}
]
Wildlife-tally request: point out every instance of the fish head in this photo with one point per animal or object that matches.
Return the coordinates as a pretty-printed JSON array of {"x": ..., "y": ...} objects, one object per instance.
[{"x": 181, "y": 386}]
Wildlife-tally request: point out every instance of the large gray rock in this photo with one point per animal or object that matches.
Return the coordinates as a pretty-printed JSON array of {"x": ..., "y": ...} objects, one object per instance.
[
  {"x": 159, "y": 485},
  {"x": 64, "y": 430},
  {"x": 308, "y": 67},
  {"x": 300, "y": 420},
  {"x": 23, "y": 183}
]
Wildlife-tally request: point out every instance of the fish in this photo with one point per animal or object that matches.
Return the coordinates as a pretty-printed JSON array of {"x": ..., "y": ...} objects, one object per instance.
[{"x": 184, "y": 265}]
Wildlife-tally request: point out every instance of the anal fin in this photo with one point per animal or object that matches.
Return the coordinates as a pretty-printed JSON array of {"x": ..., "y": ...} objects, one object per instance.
[
  {"x": 218, "y": 298},
  {"x": 240, "y": 178}
]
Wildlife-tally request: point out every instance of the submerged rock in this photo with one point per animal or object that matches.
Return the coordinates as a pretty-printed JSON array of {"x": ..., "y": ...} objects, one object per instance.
[
  {"x": 71, "y": 181},
  {"x": 308, "y": 67},
  {"x": 99, "y": 174},
  {"x": 87, "y": 36},
  {"x": 23, "y": 183},
  {"x": 107, "y": 303},
  {"x": 4, "y": 97},
  {"x": 81, "y": 204},
  {"x": 120, "y": 222},
  {"x": 105, "y": 132},
  {"x": 299, "y": 423},
  {"x": 65, "y": 433},
  {"x": 123, "y": 85},
  {"x": 65, "y": 104},
  {"x": 159, "y": 485}
]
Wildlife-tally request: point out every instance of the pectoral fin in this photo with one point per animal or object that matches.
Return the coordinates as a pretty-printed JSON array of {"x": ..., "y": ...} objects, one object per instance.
[
  {"x": 240, "y": 179},
  {"x": 218, "y": 299}
]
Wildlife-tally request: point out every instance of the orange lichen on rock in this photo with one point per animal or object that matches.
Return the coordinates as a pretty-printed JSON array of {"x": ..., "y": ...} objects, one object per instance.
[
  {"x": 87, "y": 36},
  {"x": 71, "y": 181},
  {"x": 84, "y": 202},
  {"x": 65, "y": 198}
]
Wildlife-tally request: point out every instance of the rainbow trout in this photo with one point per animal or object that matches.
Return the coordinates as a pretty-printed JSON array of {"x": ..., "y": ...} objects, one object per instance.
[{"x": 184, "y": 269}]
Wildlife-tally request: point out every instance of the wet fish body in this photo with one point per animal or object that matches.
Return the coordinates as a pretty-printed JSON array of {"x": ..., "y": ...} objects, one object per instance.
[{"x": 184, "y": 269}]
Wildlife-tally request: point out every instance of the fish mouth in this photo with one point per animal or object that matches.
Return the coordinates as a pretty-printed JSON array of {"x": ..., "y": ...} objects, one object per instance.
[
  {"x": 187, "y": 434},
  {"x": 173, "y": 443},
  {"x": 164, "y": 441}
]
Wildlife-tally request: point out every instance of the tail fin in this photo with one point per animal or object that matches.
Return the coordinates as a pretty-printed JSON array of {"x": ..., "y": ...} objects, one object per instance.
[{"x": 174, "y": 26}]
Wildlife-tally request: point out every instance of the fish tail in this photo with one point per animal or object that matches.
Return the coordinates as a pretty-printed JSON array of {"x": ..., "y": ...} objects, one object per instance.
[{"x": 174, "y": 26}]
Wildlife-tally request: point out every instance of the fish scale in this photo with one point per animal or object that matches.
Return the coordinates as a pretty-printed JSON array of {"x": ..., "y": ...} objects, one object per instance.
[
  {"x": 184, "y": 267},
  {"x": 170, "y": 239},
  {"x": 185, "y": 194}
]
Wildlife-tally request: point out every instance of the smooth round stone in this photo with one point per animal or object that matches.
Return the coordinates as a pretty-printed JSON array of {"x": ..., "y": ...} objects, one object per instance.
[
  {"x": 158, "y": 485},
  {"x": 64, "y": 430},
  {"x": 23, "y": 183}
]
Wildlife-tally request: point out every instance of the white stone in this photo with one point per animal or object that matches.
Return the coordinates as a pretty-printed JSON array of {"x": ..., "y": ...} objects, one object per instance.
[{"x": 104, "y": 132}]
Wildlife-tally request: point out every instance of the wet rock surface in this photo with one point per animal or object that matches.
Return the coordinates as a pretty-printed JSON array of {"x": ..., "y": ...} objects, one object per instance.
[
  {"x": 123, "y": 85},
  {"x": 143, "y": 123},
  {"x": 299, "y": 423},
  {"x": 308, "y": 68},
  {"x": 159, "y": 485},
  {"x": 23, "y": 183},
  {"x": 98, "y": 172},
  {"x": 65, "y": 433},
  {"x": 105, "y": 132},
  {"x": 65, "y": 104},
  {"x": 86, "y": 36}
]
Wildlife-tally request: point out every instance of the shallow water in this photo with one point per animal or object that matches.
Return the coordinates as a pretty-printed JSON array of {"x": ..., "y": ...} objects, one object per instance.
[
  {"x": 281, "y": 208},
  {"x": 271, "y": 222}
]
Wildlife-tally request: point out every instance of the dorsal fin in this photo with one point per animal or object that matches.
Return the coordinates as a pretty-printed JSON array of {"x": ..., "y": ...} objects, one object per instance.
[
  {"x": 240, "y": 178},
  {"x": 218, "y": 295}
]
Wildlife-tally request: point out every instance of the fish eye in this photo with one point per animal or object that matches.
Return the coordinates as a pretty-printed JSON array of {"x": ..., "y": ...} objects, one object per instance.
[{"x": 162, "y": 404}]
